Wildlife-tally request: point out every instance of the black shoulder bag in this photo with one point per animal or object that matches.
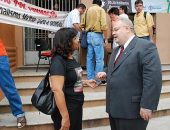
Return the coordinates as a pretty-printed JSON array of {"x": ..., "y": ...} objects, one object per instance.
[{"x": 43, "y": 97}]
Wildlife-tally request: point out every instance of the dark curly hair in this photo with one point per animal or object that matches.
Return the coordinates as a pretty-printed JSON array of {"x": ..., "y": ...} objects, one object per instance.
[
  {"x": 63, "y": 42},
  {"x": 113, "y": 10}
]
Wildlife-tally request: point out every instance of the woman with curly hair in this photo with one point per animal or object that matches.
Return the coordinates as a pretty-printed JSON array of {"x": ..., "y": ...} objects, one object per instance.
[{"x": 66, "y": 81}]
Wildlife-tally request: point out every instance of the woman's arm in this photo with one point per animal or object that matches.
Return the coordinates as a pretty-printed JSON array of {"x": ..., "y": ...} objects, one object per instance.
[{"x": 57, "y": 83}]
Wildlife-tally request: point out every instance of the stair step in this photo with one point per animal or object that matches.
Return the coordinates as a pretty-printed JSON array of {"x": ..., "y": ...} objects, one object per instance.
[
  {"x": 28, "y": 75},
  {"x": 163, "y": 108},
  {"x": 159, "y": 123},
  {"x": 28, "y": 88},
  {"x": 165, "y": 92},
  {"x": 99, "y": 128},
  {"x": 91, "y": 100},
  {"x": 165, "y": 67},
  {"x": 89, "y": 96},
  {"x": 91, "y": 115}
]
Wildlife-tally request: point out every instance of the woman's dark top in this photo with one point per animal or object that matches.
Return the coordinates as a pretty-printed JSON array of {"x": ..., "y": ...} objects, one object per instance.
[{"x": 72, "y": 72}]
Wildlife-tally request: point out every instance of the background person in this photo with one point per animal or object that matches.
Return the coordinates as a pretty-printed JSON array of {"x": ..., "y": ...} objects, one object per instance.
[
  {"x": 9, "y": 89},
  {"x": 66, "y": 81},
  {"x": 97, "y": 28},
  {"x": 143, "y": 26},
  {"x": 134, "y": 79},
  {"x": 73, "y": 21},
  {"x": 123, "y": 10},
  {"x": 114, "y": 16}
]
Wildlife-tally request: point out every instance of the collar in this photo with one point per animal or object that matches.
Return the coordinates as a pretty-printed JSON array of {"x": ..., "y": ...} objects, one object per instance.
[
  {"x": 95, "y": 5},
  {"x": 128, "y": 41},
  {"x": 77, "y": 10},
  {"x": 141, "y": 13}
]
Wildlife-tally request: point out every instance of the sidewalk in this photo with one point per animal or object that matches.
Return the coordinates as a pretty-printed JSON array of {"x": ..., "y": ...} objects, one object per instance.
[{"x": 160, "y": 123}]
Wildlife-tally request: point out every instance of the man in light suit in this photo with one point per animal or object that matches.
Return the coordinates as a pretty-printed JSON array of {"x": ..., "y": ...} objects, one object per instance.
[{"x": 134, "y": 79}]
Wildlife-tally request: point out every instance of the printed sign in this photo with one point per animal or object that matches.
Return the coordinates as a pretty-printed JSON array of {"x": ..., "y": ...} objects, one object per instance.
[
  {"x": 17, "y": 12},
  {"x": 107, "y": 4},
  {"x": 158, "y": 6}
]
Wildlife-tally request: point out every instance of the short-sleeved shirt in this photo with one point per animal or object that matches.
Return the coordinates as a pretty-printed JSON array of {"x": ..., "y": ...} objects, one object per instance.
[
  {"x": 2, "y": 49},
  {"x": 72, "y": 18},
  {"x": 142, "y": 25},
  {"x": 124, "y": 16},
  {"x": 72, "y": 72},
  {"x": 95, "y": 19}
]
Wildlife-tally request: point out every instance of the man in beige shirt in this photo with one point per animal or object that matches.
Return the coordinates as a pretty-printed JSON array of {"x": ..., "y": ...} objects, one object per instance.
[
  {"x": 143, "y": 26},
  {"x": 94, "y": 22}
]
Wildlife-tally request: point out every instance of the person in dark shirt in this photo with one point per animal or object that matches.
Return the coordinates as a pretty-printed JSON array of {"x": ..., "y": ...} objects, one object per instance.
[{"x": 66, "y": 81}]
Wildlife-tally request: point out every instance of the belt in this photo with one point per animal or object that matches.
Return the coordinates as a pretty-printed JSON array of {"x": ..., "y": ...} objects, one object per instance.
[{"x": 94, "y": 31}]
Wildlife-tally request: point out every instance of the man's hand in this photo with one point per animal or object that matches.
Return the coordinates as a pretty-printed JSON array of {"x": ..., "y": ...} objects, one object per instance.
[
  {"x": 146, "y": 114},
  {"x": 105, "y": 43},
  {"x": 101, "y": 75}
]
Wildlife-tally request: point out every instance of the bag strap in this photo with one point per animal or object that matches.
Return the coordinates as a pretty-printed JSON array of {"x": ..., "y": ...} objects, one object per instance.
[
  {"x": 47, "y": 75},
  {"x": 85, "y": 19}
]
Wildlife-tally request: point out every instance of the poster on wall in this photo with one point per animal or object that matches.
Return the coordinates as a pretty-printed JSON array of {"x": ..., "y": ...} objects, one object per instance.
[
  {"x": 156, "y": 6},
  {"x": 107, "y": 4}
]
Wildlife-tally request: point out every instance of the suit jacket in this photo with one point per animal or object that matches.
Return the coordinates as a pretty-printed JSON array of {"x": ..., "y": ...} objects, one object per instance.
[{"x": 135, "y": 81}]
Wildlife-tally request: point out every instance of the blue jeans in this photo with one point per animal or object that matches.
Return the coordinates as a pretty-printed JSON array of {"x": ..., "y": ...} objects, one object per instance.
[
  {"x": 95, "y": 50},
  {"x": 8, "y": 87}
]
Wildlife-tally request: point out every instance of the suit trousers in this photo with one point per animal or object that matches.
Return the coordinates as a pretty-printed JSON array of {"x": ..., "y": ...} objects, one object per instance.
[{"x": 127, "y": 124}]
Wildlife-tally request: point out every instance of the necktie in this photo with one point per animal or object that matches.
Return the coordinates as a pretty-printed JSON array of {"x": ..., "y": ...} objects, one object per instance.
[{"x": 121, "y": 51}]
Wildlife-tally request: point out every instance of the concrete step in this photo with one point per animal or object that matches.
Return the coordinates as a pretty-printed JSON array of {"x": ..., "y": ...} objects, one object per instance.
[
  {"x": 29, "y": 75},
  {"x": 92, "y": 117},
  {"x": 166, "y": 80},
  {"x": 165, "y": 92},
  {"x": 159, "y": 123},
  {"x": 91, "y": 100},
  {"x": 28, "y": 88},
  {"x": 165, "y": 69},
  {"x": 163, "y": 108}
]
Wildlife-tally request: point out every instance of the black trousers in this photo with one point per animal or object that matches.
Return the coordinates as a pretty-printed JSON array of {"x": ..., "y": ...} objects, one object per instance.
[
  {"x": 75, "y": 111},
  {"x": 127, "y": 124}
]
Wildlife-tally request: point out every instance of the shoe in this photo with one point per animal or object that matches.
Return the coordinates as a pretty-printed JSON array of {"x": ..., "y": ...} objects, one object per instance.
[{"x": 21, "y": 122}]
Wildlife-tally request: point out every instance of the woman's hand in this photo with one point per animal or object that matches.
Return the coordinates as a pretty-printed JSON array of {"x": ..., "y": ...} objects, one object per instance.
[
  {"x": 91, "y": 83},
  {"x": 65, "y": 123}
]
